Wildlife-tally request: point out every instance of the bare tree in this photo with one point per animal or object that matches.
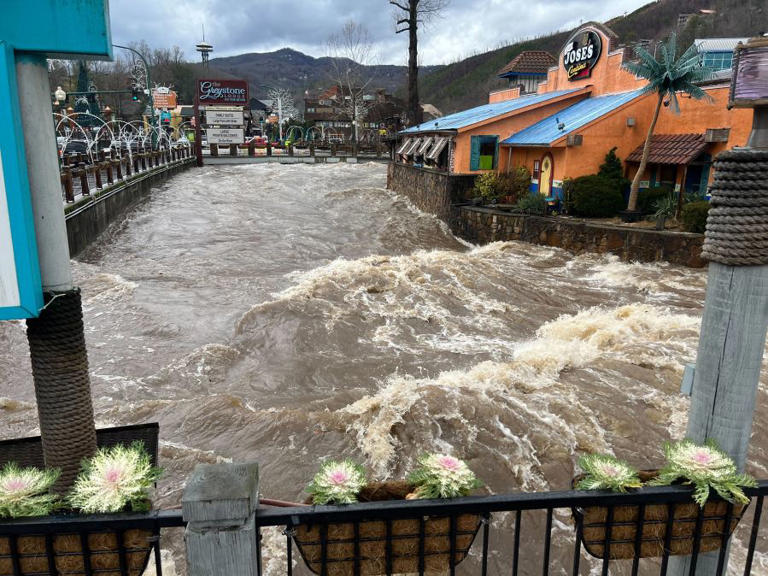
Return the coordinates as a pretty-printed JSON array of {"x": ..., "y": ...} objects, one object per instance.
[
  {"x": 351, "y": 51},
  {"x": 409, "y": 14},
  {"x": 282, "y": 105}
]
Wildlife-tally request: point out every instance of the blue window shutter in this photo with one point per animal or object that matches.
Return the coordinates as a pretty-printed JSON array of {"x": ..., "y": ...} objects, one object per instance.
[{"x": 474, "y": 156}]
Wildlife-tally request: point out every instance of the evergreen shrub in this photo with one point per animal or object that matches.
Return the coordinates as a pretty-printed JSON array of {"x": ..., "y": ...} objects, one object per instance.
[
  {"x": 647, "y": 199},
  {"x": 596, "y": 197},
  {"x": 695, "y": 216}
]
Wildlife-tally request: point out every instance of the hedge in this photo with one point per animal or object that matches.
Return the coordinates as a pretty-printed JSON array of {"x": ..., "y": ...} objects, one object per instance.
[
  {"x": 596, "y": 197},
  {"x": 694, "y": 216}
]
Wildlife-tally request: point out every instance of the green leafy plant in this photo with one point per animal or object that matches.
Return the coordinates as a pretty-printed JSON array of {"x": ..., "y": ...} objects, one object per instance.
[
  {"x": 648, "y": 197},
  {"x": 596, "y": 197},
  {"x": 337, "y": 483},
  {"x": 442, "y": 476},
  {"x": 532, "y": 204},
  {"x": 514, "y": 184},
  {"x": 666, "y": 206},
  {"x": 24, "y": 491},
  {"x": 605, "y": 472},
  {"x": 115, "y": 479},
  {"x": 486, "y": 186},
  {"x": 706, "y": 467},
  {"x": 694, "y": 216}
]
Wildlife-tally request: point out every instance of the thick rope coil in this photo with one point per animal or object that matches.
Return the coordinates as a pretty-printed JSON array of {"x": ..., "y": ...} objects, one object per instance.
[
  {"x": 737, "y": 224},
  {"x": 62, "y": 386}
]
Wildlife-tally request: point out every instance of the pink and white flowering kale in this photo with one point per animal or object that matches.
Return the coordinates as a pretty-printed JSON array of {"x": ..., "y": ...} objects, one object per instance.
[
  {"x": 704, "y": 466},
  {"x": 337, "y": 483},
  {"x": 605, "y": 472},
  {"x": 442, "y": 476},
  {"x": 114, "y": 480},
  {"x": 24, "y": 491}
]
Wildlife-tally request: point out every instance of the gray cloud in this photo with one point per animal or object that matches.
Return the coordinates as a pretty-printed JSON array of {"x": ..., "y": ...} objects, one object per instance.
[{"x": 239, "y": 26}]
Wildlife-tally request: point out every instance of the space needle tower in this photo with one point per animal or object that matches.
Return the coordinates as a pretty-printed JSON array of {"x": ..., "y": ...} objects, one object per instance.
[{"x": 205, "y": 49}]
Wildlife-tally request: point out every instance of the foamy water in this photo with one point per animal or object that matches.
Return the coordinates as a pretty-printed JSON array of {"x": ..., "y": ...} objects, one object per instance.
[{"x": 287, "y": 314}]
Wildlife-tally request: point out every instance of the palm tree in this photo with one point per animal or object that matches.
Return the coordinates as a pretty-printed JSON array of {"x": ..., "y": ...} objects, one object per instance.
[{"x": 666, "y": 77}]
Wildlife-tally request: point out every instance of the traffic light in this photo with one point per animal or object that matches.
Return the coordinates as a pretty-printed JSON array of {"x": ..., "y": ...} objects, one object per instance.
[{"x": 135, "y": 93}]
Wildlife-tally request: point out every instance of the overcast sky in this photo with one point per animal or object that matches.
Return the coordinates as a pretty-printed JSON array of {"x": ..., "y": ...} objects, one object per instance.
[{"x": 240, "y": 26}]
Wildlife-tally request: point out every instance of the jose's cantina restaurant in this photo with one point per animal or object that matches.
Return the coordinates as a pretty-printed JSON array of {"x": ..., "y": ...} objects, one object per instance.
[{"x": 582, "y": 107}]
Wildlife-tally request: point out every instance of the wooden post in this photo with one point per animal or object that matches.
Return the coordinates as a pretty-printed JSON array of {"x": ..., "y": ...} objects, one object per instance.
[
  {"x": 214, "y": 148},
  {"x": 233, "y": 150},
  {"x": 219, "y": 505}
]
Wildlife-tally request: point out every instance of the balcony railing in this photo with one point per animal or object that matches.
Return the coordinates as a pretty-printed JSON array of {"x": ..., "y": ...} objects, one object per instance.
[{"x": 515, "y": 536}]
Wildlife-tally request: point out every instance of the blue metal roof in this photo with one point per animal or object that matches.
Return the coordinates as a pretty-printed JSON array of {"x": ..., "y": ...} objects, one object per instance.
[
  {"x": 572, "y": 118},
  {"x": 486, "y": 112}
]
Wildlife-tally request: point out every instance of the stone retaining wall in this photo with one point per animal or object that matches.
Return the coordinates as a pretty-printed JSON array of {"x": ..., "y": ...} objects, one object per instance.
[
  {"x": 429, "y": 190},
  {"x": 483, "y": 225},
  {"x": 93, "y": 214}
]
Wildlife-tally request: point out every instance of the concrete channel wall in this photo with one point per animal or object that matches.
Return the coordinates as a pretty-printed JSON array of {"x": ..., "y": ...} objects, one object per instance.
[
  {"x": 482, "y": 225},
  {"x": 93, "y": 214},
  {"x": 444, "y": 196},
  {"x": 429, "y": 190}
]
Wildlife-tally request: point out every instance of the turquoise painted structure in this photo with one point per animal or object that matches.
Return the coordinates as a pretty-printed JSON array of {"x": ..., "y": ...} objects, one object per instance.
[{"x": 34, "y": 30}]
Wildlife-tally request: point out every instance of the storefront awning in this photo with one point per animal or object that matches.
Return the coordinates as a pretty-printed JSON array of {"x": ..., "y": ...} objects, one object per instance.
[
  {"x": 437, "y": 148},
  {"x": 425, "y": 144},
  {"x": 405, "y": 145},
  {"x": 671, "y": 149}
]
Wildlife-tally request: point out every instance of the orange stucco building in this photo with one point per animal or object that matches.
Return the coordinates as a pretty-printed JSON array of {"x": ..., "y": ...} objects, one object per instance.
[{"x": 588, "y": 105}]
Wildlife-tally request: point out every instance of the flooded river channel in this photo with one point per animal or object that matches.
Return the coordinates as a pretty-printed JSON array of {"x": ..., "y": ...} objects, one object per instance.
[{"x": 288, "y": 314}]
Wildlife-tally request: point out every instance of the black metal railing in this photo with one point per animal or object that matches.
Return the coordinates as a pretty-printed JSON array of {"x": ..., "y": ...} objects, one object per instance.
[
  {"x": 660, "y": 519},
  {"x": 113, "y": 544},
  {"x": 515, "y": 536}
]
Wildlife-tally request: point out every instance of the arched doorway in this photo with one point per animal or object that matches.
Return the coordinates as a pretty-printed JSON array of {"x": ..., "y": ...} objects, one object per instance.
[{"x": 547, "y": 172}]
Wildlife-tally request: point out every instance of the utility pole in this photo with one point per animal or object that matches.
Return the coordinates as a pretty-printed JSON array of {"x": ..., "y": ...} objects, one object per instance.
[
  {"x": 735, "y": 319},
  {"x": 29, "y": 175}
]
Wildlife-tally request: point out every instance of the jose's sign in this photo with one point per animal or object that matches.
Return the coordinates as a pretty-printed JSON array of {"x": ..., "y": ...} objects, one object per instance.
[
  {"x": 581, "y": 54},
  {"x": 226, "y": 92}
]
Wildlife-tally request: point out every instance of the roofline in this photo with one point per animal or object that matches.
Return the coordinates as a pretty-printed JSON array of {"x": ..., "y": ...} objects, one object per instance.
[
  {"x": 578, "y": 92},
  {"x": 513, "y": 73},
  {"x": 600, "y": 118},
  {"x": 450, "y": 132},
  {"x": 560, "y": 140}
]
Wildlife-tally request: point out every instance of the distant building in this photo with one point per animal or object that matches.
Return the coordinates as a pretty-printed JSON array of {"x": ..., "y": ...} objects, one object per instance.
[
  {"x": 329, "y": 111},
  {"x": 527, "y": 69},
  {"x": 717, "y": 53}
]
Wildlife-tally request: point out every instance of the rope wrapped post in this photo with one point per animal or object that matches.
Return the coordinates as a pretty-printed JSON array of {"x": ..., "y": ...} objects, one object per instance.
[
  {"x": 56, "y": 339},
  {"x": 62, "y": 387},
  {"x": 735, "y": 319}
]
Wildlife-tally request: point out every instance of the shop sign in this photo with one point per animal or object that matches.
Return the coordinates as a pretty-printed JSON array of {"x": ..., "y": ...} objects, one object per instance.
[
  {"x": 226, "y": 92},
  {"x": 224, "y": 117},
  {"x": 225, "y": 136},
  {"x": 581, "y": 54},
  {"x": 164, "y": 98}
]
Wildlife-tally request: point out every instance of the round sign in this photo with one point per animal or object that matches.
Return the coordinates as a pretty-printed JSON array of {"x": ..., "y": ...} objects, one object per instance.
[{"x": 581, "y": 54}]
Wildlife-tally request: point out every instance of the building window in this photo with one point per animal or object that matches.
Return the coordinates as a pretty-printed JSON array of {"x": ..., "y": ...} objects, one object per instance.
[
  {"x": 484, "y": 152},
  {"x": 717, "y": 60},
  {"x": 536, "y": 168}
]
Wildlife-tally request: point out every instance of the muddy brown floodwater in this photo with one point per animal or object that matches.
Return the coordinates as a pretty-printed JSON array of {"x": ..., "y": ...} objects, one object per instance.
[{"x": 288, "y": 314}]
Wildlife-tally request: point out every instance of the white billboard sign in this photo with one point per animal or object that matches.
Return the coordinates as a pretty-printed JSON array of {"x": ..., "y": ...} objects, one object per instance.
[
  {"x": 225, "y": 135},
  {"x": 224, "y": 117}
]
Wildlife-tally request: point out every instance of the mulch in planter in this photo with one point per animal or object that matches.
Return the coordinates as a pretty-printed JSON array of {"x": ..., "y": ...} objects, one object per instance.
[
  {"x": 406, "y": 540},
  {"x": 625, "y": 520},
  {"x": 68, "y": 553}
]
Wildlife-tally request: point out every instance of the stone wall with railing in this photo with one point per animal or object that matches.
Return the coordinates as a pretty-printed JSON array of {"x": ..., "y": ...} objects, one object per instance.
[{"x": 96, "y": 194}]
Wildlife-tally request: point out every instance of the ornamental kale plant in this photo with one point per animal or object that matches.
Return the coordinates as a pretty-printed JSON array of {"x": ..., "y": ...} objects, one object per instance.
[
  {"x": 442, "y": 476},
  {"x": 115, "y": 479},
  {"x": 705, "y": 467},
  {"x": 24, "y": 491},
  {"x": 605, "y": 472},
  {"x": 337, "y": 483}
]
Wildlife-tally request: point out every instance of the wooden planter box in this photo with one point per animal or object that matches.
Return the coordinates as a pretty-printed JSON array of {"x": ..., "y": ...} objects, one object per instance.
[
  {"x": 58, "y": 549},
  {"x": 624, "y": 526},
  {"x": 406, "y": 540}
]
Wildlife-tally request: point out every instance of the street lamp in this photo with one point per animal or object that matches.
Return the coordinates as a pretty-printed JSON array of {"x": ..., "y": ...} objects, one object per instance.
[
  {"x": 749, "y": 86},
  {"x": 60, "y": 96}
]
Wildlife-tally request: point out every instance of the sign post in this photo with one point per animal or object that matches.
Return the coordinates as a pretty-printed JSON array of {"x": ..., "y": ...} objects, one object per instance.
[
  {"x": 35, "y": 278},
  {"x": 223, "y": 101}
]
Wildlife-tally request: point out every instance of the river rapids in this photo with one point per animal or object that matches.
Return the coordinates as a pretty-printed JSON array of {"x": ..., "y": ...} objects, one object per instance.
[{"x": 290, "y": 314}]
